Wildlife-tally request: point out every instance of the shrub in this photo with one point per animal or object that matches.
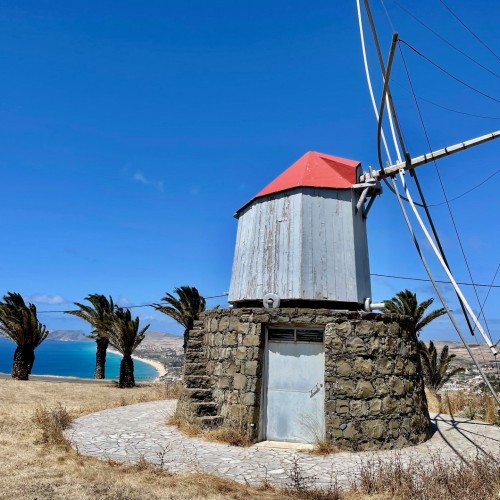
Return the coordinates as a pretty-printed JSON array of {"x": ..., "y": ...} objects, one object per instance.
[
  {"x": 465, "y": 404},
  {"x": 476, "y": 479},
  {"x": 184, "y": 425},
  {"x": 227, "y": 434},
  {"x": 52, "y": 422}
]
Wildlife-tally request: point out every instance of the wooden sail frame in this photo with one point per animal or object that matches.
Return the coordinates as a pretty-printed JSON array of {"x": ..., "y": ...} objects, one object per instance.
[{"x": 400, "y": 167}]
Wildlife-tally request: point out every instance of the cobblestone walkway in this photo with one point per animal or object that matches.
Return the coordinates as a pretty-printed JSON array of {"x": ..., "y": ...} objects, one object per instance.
[{"x": 130, "y": 432}]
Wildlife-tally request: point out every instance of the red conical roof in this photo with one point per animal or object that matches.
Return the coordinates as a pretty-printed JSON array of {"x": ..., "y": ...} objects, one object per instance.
[{"x": 314, "y": 170}]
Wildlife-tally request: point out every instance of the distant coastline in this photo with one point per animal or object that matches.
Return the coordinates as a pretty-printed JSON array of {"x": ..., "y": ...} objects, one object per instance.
[
  {"x": 155, "y": 364},
  {"x": 63, "y": 358},
  {"x": 71, "y": 353},
  {"x": 69, "y": 336}
]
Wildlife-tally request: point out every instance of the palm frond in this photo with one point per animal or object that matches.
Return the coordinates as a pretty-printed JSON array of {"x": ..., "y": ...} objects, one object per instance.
[
  {"x": 19, "y": 321},
  {"x": 448, "y": 375},
  {"x": 406, "y": 303},
  {"x": 436, "y": 367},
  {"x": 99, "y": 314},
  {"x": 125, "y": 334},
  {"x": 425, "y": 320},
  {"x": 186, "y": 308}
]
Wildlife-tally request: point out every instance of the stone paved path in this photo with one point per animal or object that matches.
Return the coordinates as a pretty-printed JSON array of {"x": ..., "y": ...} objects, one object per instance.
[{"x": 129, "y": 432}]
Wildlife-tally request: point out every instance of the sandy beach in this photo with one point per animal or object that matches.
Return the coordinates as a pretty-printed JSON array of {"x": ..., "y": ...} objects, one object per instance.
[{"x": 155, "y": 364}]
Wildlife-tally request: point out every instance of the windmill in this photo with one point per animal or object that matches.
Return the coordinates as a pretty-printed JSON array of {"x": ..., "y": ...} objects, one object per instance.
[{"x": 300, "y": 355}]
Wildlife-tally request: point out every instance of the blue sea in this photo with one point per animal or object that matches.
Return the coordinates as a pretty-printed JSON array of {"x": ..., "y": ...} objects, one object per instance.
[{"x": 71, "y": 359}]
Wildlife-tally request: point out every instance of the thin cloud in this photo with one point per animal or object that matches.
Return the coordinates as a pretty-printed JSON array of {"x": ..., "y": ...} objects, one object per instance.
[
  {"x": 50, "y": 300},
  {"x": 141, "y": 178}
]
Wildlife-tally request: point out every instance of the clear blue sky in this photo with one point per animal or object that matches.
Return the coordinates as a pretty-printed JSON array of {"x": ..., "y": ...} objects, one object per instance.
[{"x": 130, "y": 132}]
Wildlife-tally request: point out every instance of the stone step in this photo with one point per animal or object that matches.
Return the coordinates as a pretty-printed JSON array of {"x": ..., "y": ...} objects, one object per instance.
[
  {"x": 195, "y": 369},
  {"x": 203, "y": 409},
  {"x": 210, "y": 421},
  {"x": 199, "y": 394},
  {"x": 197, "y": 381}
]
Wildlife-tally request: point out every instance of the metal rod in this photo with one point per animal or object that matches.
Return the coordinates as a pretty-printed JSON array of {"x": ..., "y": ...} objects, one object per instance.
[
  {"x": 387, "y": 77},
  {"x": 392, "y": 110},
  {"x": 444, "y": 266},
  {"x": 439, "y": 294},
  {"x": 362, "y": 199},
  {"x": 435, "y": 155}
]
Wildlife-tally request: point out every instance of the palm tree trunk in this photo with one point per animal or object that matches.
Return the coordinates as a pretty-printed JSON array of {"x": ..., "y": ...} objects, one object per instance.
[
  {"x": 100, "y": 357},
  {"x": 23, "y": 361},
  {"x": 31, "y": 361},
  {"x": 126, "y": 372}
]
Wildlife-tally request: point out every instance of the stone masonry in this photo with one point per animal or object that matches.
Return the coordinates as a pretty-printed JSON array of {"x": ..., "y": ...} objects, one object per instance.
[
  {"x": 196, "y": 403},
  {"x": 374, "y": 393}
]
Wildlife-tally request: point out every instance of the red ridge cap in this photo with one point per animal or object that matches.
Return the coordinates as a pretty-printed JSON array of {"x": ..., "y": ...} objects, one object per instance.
[{"x": 313, "y": 170}]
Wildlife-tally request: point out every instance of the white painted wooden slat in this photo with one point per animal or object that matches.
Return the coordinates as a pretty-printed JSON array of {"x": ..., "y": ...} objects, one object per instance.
[
  {"x": 302, "y": 244},
  {"x": 296, "y": 237}
]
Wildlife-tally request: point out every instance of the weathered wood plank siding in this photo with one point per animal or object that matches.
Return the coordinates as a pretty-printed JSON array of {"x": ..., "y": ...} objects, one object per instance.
[
  {"x": 305, "y": 243},
  {"x": 363, "y": 281}
]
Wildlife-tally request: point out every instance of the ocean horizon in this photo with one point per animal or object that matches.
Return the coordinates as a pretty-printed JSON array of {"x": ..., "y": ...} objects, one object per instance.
[{"x": 71, "y": 359}]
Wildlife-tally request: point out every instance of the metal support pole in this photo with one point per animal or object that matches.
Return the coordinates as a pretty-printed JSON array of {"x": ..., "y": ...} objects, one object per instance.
[
  {"x": 423, "y": 159},
  {"x": 387, "y": 77}
]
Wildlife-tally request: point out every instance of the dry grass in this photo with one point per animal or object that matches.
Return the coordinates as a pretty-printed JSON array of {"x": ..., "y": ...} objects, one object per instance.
[
  {"x": 231, "y": 434},
  {"x": 227, "y": 434},
  {"x": 324, "y": 446},
  {"x": 465, "y": 404},
  {"x": 187, "y": 428},
  {"x": 35, "y": 465},
  {"x": 222, "y": 434},
  {"x": 52, "y": 422},
  {"x": 478, "y": 479}
]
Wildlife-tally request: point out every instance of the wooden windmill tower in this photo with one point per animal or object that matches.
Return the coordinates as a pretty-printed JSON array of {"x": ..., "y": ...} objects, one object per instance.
[{"x": 302, "y": 242}]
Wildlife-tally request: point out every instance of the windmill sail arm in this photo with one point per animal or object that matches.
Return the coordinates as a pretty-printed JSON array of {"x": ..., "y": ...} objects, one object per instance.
[{"x": 435, "y": 155}]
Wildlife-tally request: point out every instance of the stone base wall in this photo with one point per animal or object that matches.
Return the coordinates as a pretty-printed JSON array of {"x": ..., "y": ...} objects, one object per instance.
[
  {"x": 374, "y": 393},
  {"x": 196, "y": 404},
  {"x": 234, "y": 350}
]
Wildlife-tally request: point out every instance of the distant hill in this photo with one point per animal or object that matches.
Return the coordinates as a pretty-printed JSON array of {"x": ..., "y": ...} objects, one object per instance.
[
  {"x": 69, "y": 336},
  {"x": 156, "y": 335},
  {"x": 154, "y": 340}
]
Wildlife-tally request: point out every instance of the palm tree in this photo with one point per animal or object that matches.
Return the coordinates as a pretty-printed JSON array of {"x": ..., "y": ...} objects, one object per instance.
[
  {"x": 19, "y": 323},
  {"x": 406, "y": 303},
  {"x": 436, "y": 369},
  {"x": 185, "y": 310},
  {"x": 125, "y": 336},
  {"x": 99, "y": 315}
]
